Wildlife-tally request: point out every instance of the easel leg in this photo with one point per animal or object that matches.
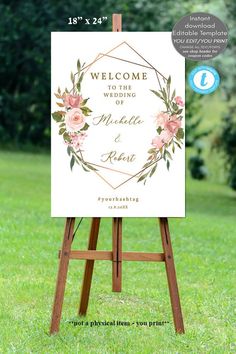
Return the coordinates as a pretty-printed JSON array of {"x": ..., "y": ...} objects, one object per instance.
[
  {"x": 117, "y": 254},
  {"x": 62, "y": 274},
  {"x": 171, "y": 276},
  {"x": 89, "y": 265}
]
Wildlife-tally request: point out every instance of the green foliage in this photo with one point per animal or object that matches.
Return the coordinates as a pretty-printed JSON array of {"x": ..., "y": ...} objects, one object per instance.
[
  {"x": 226, "y": 142},
  {"x": 197, "y": 167},
  {"x": 192, "y": 122},
  {"x": 161, "y": 150},
  {"x": 146, "y": 15},
  {"x": 196, "y": 164},
  {"x": 194, "y": 132}
]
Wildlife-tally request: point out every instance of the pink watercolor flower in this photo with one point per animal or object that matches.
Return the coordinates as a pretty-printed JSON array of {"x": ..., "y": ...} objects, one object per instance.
[
  {"x": 74, "y": 120},
  {"x": 77, "y": 139},
  {"x": 173, "y": 124},
  {"x": 162, "y": 139},
  {"x": 179, "y": 101},
  {"x": 161, "y": 119},
  {"x": 166, "y": 136},
  {"x": 73, "y": 101},
  {"x": 157, "y": 142}
]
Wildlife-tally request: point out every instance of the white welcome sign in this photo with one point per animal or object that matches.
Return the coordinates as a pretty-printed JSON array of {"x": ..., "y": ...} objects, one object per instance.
[{"x": 117, "y": 125}]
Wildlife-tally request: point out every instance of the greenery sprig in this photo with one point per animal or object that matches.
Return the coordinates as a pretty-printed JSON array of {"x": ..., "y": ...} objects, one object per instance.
[
  {"x": 170, "y": 134},
  {"x": 73, "y": 125}
]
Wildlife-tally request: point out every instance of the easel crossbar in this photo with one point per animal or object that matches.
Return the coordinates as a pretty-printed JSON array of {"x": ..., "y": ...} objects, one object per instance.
[{"x": 108, "y": 256}]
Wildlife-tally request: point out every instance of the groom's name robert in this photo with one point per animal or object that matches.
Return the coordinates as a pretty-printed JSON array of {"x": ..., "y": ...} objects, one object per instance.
[
  {"x": 115, "y": 156},
  {"x": 119, "y": 76}
]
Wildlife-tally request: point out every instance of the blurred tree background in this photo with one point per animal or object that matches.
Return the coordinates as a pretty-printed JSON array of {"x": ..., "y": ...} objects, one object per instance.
[{"x": 25, "y": 28}]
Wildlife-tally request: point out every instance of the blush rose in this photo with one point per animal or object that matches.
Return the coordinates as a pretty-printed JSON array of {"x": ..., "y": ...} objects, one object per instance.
[
  {"x": 73, "y": 101},
  {"x": 74, "y": 120},
  {"x": 157, "y": 142},
  {"x": 161, "y": 119},
  {"x": 173, "y": 124},
  {"x": 162, "y": 139}
]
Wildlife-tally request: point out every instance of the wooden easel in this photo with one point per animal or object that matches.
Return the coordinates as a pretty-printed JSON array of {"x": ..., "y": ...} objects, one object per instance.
[{"x": 116, "y": 256}]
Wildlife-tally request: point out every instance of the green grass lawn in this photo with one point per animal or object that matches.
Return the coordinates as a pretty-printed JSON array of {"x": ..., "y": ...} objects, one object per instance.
[{"x": 204, "y": 246}]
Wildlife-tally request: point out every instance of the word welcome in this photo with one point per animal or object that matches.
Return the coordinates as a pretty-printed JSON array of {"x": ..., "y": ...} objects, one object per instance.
[{"x": 119, "y": 76}]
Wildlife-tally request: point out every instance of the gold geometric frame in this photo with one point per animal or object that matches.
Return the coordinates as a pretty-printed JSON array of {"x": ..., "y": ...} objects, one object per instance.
[{"x": 147, "y": 66}]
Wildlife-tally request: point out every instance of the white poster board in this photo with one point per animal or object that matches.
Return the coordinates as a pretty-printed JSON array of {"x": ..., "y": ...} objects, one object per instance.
[{"x": 117, "y": 125}]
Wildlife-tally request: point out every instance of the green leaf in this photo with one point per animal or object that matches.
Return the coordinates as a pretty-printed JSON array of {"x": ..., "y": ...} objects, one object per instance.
[
  {"x": 179, "y": 146},
  {"x": 57, "y": 116},
  {"x": 69, "y": 150},
  {"x": 85, "y": 110},
  {"x": 62, "y": 131},
  {"x": 72, "y": 162},
  {"x": 81, "y": 78},
  {"x": 164, "y": 155},
  {"x": 84, "y": 102},
  {"x": 78, "y": 157},
  {"x": 153, "y": 170},
  {"x": 88, "y": 109},
  {"x": 159, "y": 130},
  {"x": 146, "y": 165},
  {"x": 156, "y": 93},
  {"x": 152, "y": 150},
  {"x": 168, "y": 154},
  {"x": 66, "y": 137},
  {"x": 85, "y": 169},
  {"x": 78, "y": 65},
  {"x": 78, "y": 86},
  {"x": 180, "y": 133},
  {"x": 173, "y": 95},
  {"x": 86, "y": 126},
  {"x": 169, "y": 80},
  {"x": 59, "y": 90},
  {"x": 175, "y": 107},
  {"x": 168, "y": 87},
  {"x": 173, "y": 148},
  {"x": 164, "y": 94},
  {"x": 179, "y": 111},
  {"x": 142, "y": 177},
  {"x": 72, "y": 77},
  {"x": 90, "y": 167},
  {"x": 168, "y": 164}
]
